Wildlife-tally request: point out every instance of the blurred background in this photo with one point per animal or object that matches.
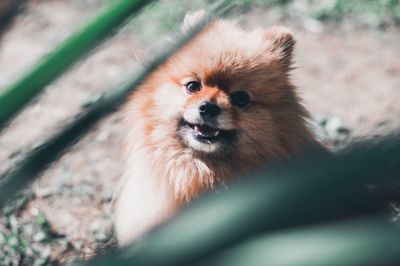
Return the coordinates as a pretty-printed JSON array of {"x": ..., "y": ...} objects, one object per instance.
[{"x": 347, "y": 62}]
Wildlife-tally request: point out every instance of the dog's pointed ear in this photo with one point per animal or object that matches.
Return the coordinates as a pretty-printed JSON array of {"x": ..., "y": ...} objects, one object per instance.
[
  {"x": 281, "y": 43},
  {"x": 192, "y": 18}
]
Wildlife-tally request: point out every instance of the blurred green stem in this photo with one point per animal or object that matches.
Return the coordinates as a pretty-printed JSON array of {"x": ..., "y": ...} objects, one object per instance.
[{"x": 15, "y": 97}]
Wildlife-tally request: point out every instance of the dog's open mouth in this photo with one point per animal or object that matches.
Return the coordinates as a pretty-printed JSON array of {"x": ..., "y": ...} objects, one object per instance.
[{"x": 207, "y": 134}]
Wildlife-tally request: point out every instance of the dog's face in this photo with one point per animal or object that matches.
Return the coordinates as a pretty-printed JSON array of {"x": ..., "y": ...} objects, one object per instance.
[
  {"x": 207, "y": 119},
  {"x": 228, "y": 91}
]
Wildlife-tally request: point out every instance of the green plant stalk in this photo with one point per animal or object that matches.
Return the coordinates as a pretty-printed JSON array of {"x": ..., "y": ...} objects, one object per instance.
[
  {"x": 38, "y": 159},
  {"x": 15, "y": 97}
]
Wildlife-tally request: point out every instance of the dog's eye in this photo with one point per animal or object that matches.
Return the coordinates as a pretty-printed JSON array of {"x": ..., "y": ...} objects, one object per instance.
[
  {"x": 193, "y": 86},
  {"x": 240, "y": 98}
]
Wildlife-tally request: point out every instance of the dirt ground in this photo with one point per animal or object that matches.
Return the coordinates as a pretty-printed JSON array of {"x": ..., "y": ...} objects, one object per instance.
[{"x": 347, "y": 72}]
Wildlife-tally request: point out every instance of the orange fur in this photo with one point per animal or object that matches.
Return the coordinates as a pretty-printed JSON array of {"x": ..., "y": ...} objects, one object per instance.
[{"x": 163, "y": 172}]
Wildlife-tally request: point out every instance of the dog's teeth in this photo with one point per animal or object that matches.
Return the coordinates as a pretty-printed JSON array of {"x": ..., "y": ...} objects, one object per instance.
[{"x": 205, "y": 131}]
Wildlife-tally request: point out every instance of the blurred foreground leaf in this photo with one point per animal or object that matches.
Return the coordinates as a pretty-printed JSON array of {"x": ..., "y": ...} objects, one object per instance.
[{"x": 305, "y": 193}]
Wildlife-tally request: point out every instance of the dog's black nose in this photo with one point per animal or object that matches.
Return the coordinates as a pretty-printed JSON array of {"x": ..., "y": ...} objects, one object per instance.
[{"x": 208, "y": 109}]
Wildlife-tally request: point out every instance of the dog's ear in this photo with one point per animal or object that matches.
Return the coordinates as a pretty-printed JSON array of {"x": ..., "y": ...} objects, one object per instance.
[
  {"x": 281, "y": 43},
  {"x": 192, "y": 18}
]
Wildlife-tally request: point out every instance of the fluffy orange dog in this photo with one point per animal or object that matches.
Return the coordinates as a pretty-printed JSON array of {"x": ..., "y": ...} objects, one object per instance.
[{"x": 222, "y": 105}]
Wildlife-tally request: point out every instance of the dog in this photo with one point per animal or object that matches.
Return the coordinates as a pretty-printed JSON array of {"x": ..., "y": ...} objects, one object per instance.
[{"x": 219, "y": 107}]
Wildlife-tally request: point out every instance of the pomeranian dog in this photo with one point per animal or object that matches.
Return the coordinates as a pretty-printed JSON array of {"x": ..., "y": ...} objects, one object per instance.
[{"x": 219, "y": 107}]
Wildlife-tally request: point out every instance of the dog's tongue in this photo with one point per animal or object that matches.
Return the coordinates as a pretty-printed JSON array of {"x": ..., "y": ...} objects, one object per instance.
[{"x": 206, "y": 131}]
